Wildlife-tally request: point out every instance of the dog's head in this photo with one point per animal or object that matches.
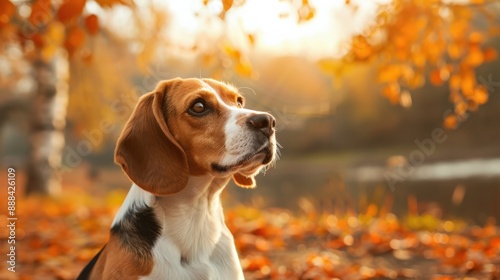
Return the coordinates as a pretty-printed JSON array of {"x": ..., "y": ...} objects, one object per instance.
[{"x": 194, "y": 127}]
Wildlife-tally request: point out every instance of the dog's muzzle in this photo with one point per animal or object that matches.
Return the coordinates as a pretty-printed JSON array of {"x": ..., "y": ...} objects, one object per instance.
[{"x": 263, "y": 126}]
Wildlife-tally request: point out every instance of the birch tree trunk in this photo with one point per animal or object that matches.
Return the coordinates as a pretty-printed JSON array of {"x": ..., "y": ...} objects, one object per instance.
[{"x": 48, "y": 120}]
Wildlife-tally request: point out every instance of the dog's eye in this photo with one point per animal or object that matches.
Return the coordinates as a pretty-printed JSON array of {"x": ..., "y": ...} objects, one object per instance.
[{"x": 199, "y": 108}]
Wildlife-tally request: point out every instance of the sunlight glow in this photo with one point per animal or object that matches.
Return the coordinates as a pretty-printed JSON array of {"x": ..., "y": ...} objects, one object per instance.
[
  {"x": 283, "y": 34},
  {"x": 275, "y": 25}
]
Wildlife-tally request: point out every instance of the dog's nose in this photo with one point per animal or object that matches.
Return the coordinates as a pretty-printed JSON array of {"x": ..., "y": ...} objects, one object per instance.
[{"x": 263, "y": 122}]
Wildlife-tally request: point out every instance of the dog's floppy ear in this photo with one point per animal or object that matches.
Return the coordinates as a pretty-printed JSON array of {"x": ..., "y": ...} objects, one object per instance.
[
  {"x": 147, "y": 151},
  {"x": 243, "y": 181}
]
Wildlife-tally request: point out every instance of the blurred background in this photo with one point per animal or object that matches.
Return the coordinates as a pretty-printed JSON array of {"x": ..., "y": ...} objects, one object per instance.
[{"x": 391, "y": 103}]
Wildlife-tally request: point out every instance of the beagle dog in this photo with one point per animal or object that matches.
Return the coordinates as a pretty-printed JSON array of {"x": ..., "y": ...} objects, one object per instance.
[{"x": 182, "y": 144}]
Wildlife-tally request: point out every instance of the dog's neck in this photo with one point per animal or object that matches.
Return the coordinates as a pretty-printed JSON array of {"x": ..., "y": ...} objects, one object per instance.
[
  {"x": 200, "y": 191},
  {"x": 191, "y": 221}
]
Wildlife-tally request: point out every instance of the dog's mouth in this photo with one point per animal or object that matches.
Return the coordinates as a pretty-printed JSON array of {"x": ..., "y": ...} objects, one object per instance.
[{"x": 261, "y": 157}]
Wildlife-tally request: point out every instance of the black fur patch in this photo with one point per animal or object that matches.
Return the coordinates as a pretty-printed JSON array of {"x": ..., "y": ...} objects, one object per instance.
[{"x": 138, "y": 230}]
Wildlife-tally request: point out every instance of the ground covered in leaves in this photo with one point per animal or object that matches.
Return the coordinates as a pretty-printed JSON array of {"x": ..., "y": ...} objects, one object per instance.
[{"x": 56, "y": 237}]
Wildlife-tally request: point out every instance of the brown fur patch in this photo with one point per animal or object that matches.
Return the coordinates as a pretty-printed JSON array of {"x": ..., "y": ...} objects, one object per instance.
[
  {"x": 202, "y": 138},
  {"x": 117, "y": 263},
  {"x": 146, "y": 150},
  {"x": 227, "y": 93}
]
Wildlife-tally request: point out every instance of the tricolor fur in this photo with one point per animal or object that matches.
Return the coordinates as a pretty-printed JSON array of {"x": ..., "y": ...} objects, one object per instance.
[{"x": 181, "y": 146}]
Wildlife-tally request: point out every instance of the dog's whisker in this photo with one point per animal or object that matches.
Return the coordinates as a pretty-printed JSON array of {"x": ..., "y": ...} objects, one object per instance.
[{"x": 249, "y": 88}]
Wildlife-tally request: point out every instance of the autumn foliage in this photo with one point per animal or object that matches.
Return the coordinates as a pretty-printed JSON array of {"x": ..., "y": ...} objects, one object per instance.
[
  {"x": 50, "y": 25},
  {"x": 415, "y": 43},
  {"x": 412, "y": 43},
  {"x": 58, "y": 236},
  {"x": 434, "y": 41}
]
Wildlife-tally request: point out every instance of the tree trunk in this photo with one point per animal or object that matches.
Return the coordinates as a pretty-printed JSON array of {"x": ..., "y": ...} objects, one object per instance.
[{"x": 48, "y": 120}]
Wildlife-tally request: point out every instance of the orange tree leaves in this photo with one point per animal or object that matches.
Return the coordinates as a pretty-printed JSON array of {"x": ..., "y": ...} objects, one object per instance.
[
  {"x": 429, "y": 40},
  {"x": 226, "y": 5},
  {"x": 75, "y": 38},
  {"x": 306, "y": 12},
  {"x": 111, "y": 3},
  {"x": 46, "y": 16},
  {"x": 439, "y": 42},
  {"x": 70, "y": 9},
  {"x": 92, "y": 24}
]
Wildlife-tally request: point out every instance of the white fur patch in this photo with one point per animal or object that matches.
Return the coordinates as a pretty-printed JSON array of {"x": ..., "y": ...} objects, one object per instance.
[
  {"x": 136, "y": 197},
  {"x": 195, "y": 242},
  {"x": 238, "y": 137}
]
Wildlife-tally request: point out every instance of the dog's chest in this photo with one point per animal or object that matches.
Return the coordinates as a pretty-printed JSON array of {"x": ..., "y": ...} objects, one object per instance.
[{"x": 195, "y": 244}]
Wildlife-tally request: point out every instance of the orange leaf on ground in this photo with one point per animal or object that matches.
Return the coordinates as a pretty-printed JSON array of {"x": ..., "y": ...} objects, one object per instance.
[
  {"x": 7, "y": 10},
  {"x": 41, "y": 12},
  {"x": 38, "y": 40},
  {"x": 54, "y": 33},
  {"x": 255, "y": 262}
]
